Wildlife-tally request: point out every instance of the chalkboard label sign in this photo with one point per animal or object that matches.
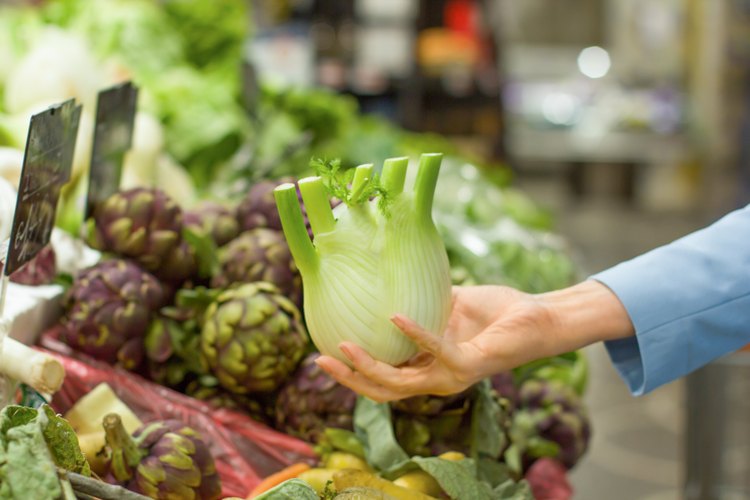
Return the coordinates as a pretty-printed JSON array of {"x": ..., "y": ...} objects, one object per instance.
[
  {"x": 46, "y": 168},
  {"x": 113, "y": 136}
]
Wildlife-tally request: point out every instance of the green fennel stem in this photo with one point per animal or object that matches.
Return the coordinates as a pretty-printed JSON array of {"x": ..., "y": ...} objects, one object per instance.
[
  {"x": 293, "y": 226},
  {"x": 318, "y": 207},
  {"x": 394, "y": 174},
  {"x": 362, "y": 176},
  {"x": 424, "y": 186}
]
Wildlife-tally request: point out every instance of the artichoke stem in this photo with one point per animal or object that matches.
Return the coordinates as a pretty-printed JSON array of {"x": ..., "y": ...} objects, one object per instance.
[
  {"x": 394, "y": 174},
  {"x": 293, "y": 225},
  {"x": 318, "y": 207},
  {"x": 124, "y": 451},
  {"x": 424, "y": 186}
]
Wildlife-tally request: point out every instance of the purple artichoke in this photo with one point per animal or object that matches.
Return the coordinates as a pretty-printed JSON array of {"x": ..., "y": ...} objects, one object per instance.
[
  {"x": 558, "y": 415},
  {"x": 430, "y": 425},
  {"x": 108, "y": 309},
  {"x": 505, "y": 387},
  {"x": 258, "y": 207},
  {"x": 162, "y": 460},
  {"x": 260, "y": 255},
  {"x": 253, "y": 338},
  {"x": 141, "y": 223},
  {"x": 311, "y": 401},
  {"x": 214, "y": 219},
  {"x": 259, "y": 407},
  {"x": 40, "y": 270}
]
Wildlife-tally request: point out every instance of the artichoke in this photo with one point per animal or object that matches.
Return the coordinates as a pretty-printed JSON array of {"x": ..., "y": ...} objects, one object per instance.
[
  {"x": 312, "y": 401},
  {"x": 163, "y": 460},
  {"x": 215, "y": 219},
  {"x": 258, "y": 207},
  {"x": 430, "y": 425},
  {"x": 41, "y": 270},
  {"x": 259, "y": 407},
  {"x": 141, "y": 223},
  {"x": 253, "y": 338},
  {"x": 173, "y": 339},
  {"x": 260, "y": 255},
  {"x": 554, "y": 412},
  {"x": 108, "y": 309},
  {"x": 504, "y": 385}
]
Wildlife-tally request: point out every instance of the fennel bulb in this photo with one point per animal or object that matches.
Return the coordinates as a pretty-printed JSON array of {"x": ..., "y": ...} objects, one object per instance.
[{"x": 375, "y": 255}]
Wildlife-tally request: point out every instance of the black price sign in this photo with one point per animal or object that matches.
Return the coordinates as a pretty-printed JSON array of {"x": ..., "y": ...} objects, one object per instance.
[
  {"x": 113, "y": 135},
  {"x": 46, "y": 168}
]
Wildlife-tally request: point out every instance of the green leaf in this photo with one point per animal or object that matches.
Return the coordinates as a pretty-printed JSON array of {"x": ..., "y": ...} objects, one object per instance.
[
  {"x": 372, "y": 425},
  {"x": 62, "y": 442},
  {"x": 510, "y": 490},
  {"x": 457, "y": 478},
  {"x": 15, "y": 416},
  {"x": 27, "y": 468},
  {"x": 492, "y": 471},
  {"x": 205, "y": 251},
  {"x": 291, "y": 489},
  {"x": 487, "y": 437}
]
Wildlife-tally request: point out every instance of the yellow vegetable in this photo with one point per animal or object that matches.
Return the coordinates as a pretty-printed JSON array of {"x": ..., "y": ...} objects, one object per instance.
[
  {"x": 419, "y": 480},
  {"x": 453, "y": 456},
  {"x": 341, "y": 460},
  {"x": 317, "y": 478},
  {"x": 350, "y": 478}
]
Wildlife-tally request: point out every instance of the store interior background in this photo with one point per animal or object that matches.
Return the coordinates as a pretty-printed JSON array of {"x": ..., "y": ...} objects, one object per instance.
[{"x": 627, "y": 119}]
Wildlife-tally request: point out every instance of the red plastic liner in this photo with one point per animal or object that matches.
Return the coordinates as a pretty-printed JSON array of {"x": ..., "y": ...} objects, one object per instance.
[{"x": 245, "y": 451}]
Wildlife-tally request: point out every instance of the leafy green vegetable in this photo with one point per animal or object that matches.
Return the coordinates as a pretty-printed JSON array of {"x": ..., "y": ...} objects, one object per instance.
[
  {"x": 372, "y": 424},
  {"x": 62, "y": 442},
  {"x": 291, "y": 489},
  {"x": 33, "y": 444},
  {"x": 487, "y": 438},
  {"x": 482, "y": 479}
]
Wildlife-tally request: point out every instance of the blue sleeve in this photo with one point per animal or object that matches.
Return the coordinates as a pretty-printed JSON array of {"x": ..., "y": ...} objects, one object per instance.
[{"x": 689, "y": 302}]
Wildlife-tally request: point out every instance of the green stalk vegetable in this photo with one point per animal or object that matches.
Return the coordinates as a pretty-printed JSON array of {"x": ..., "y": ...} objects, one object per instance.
[{"x": 375, "y": 255}]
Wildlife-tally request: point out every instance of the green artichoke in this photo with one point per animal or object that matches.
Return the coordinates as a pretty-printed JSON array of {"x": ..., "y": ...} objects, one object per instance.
[
  {"x": 253, "y": 338},
  {"x": 162, "y": 460},
  {"x": 142, "y": 224},
  {"x": 214, "y": 219},
  {"x": 260, "y": 255},
  {"x": 107, "y": 310},
  {"x": 312, "y": 401}
]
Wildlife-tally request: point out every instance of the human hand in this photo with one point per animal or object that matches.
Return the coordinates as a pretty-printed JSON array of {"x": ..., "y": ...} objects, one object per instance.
[{"x": 490, "y": 329}]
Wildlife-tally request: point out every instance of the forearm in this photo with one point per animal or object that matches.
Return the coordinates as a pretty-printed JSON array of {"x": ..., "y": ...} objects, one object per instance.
[{"x": 584, "y": 314}]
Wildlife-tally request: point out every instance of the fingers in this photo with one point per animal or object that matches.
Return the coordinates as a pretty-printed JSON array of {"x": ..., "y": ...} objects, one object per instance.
[
  {"x": 426, "y": 340},
  {"x": 380, "y": 372},
  {"x": 356, "y": 381}
]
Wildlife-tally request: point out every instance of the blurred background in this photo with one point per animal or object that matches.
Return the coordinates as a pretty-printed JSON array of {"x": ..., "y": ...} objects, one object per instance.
[
  {"x": 613, "y": 126},
  {"x": 628, "y": 119}
]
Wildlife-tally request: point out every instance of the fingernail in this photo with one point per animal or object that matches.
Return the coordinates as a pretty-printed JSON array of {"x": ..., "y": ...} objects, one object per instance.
[
  {"x": 346, "y": 351},
  {"x": 397, "y": 318}
]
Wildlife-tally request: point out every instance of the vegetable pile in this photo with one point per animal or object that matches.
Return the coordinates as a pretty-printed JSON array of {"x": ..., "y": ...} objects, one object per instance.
[{"x": 226, "y": 245}]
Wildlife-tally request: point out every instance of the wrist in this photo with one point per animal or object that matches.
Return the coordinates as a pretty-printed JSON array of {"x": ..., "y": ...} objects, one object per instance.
[{"x": 585, "y": 313}]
